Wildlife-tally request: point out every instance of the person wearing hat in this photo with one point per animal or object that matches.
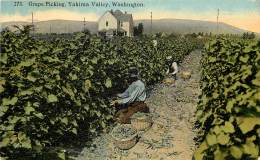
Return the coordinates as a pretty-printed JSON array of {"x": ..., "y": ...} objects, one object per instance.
[
  {"x": 173, "y": 67},
  {"x": 132, "y": 100}
]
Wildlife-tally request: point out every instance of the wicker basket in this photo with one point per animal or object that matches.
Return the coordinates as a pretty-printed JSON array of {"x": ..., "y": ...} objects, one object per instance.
[
  {"x": 168, "y": 81},
  {"x": 185, "y": 74},
  {"x": 142, "y": 123},
  {"x": 125, "y": 143}
]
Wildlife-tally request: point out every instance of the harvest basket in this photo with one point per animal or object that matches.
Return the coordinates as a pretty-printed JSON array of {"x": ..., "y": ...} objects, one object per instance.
[
  {"x": 185, "y": 74},
  {"x": 168, "y": 81},
  {"x": 141, "y": 121},
  {"x": 127, "y": 142}
]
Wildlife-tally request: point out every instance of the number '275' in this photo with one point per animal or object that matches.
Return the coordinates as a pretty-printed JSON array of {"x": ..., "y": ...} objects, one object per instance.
[{"x": 18, "y": 3}]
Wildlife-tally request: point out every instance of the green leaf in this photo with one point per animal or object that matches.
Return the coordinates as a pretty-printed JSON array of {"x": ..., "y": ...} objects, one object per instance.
[
  {"x": 109, "y": 117},
  {"x": 38, "y": 89},
  {"x": 4, "y": 142},
  {"x": 103, "y": 125},
  {"x": 48, "y": 86},
  {"x": 258, "y": 131},
  {"x": 244, "y": 58},
  {"x": 21, "y": 136},
  {"x": 74, "y": 130},
  {"x": 98, "y": 113},
  {"x": 61, "y": 155},
  {"x": 27, "y": 63},
  {"x": 87, "y": 85},
  {"x": 13, "y": 119},
  {"x": 2, "y": 89},
  {"x": 28, "y": 110},
  {"x": 68, "y": 90},
  {"x": 94, "y": 60},
  {"x": 230, "y": 105},
  {"x": 50, "y": 59},
  {"x": 251, "y": 149},
  {"x": 215, "y": 95},
  {"x": 36, "y": 104},
  {"x": 75, "y": 124},
  {"x": 199, "y": 113},
  {"x": 236, "y": 152},
  {"x": 31, "y": 78},
  {"x": 223, "y": 138},
  {"x": 110, "y": 62},
  {"x": 247, "y": 124},
  {"x": 39, "y": 115},
  {"x": 38, "y": 146},
  {"x": 64, "y": 120},
  {"x": 26, "y": 143},
  {"x": 198, "y": 155},
  {"x": 52, "y": 98},
  {"x": 3, "y": 58},
  {"x": 73, "y": 46},
  {"x": 228, "y": 128},
  {"x": 12, "y": 101},
  {"x": 93, "y": 130},
  {"x": 108, "y": 83},
  {"x": 212, "y": 59},
  {"x": 211, "y": 139},
  {"x": 256, "y": 81},
  {"x": 73, "y": 76},
  {"x": 86, "y": 107},
  {"x": 91, "y": 72},
  {"x": 217, "y": 129},
  {"x": 246, "y": 71},
  {"x": 219, "y": 155},
  {"x": 3, "y": 109},
  {"x": 26, "y": 92}
]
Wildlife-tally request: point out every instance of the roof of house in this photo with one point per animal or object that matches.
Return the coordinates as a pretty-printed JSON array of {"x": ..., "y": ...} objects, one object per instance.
[{"x": 124, "y": 17}]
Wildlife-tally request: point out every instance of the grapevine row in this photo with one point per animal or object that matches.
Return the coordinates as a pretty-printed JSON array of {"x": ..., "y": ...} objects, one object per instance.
[
  {"x": 228, "y": 111},
  {"x": 52, "y": 92}
]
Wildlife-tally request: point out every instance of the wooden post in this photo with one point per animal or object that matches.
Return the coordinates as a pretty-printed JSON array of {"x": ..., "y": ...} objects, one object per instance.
[{"x": 151, "y": 22}]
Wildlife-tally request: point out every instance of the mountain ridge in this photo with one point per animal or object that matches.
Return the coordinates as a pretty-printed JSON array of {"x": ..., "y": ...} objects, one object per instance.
[{"x": 179, "y": 26}]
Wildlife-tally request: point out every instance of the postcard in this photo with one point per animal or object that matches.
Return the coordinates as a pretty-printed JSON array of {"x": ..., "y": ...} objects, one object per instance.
[{"x": 129, "y": 79}]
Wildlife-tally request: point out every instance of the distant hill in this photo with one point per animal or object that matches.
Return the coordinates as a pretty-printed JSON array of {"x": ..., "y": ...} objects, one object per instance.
[
  {"x": 183, "y": 26},
  {"x": 56, "y": 26},
  {"x": 180, "y": 26}
]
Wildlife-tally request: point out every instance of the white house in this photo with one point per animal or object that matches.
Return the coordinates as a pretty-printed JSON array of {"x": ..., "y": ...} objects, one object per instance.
[{"x": 115, "y": 23}]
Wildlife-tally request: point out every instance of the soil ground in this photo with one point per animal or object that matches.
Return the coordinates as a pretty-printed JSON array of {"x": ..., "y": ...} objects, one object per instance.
[{"x": 171, "y": 135}]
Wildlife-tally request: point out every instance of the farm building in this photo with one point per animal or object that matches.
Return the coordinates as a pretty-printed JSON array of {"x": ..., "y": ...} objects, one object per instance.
[{"x": 116, "y": 23}]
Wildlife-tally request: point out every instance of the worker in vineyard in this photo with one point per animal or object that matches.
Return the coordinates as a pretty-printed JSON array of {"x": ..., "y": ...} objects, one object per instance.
[
  {"x": 172, "y": 67},
  {"x": 132, "y": 100}
]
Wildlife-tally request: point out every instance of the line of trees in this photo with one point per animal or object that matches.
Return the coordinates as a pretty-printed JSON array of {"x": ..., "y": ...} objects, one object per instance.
[
  {"x": 248, "y": 35},
  {"x": 138, "y": 30}
]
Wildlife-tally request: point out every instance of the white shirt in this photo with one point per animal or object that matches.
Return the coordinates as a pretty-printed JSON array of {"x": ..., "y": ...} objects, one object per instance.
[
  {"x": 175, "y": 68},
  {"x": 135, "y": 92}
]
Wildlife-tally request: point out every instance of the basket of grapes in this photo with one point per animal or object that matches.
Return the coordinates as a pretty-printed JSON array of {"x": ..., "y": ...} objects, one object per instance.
[
  {"x": 141, "y": 121},
  {"x": 124, "y": 136},
  {"x": 186, "y": 74}
]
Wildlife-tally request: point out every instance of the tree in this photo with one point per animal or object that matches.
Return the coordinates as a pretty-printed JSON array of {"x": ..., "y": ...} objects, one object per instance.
[
  {"x": 200, "y": 33},
  {"x": 26, "y": 29},
  {"x": 86, "y": 31},
  {"x": 193, "y": 35},
  {"x": 138, "y": 30},
  {"x": 248, "y": 35},
  {"x": 252, "y": 35}
]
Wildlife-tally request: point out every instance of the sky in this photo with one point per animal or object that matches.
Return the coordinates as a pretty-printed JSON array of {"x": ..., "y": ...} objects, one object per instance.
[{"x": 243, "y": 14}]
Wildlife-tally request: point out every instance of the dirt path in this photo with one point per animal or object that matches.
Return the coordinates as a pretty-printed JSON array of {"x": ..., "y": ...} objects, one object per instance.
[{"x": 171, "y": 136}]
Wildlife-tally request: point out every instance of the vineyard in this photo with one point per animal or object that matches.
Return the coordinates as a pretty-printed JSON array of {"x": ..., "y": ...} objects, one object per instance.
[
  {"x": 55, "y": 92},
  {"x": 228, "y": 110}
]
